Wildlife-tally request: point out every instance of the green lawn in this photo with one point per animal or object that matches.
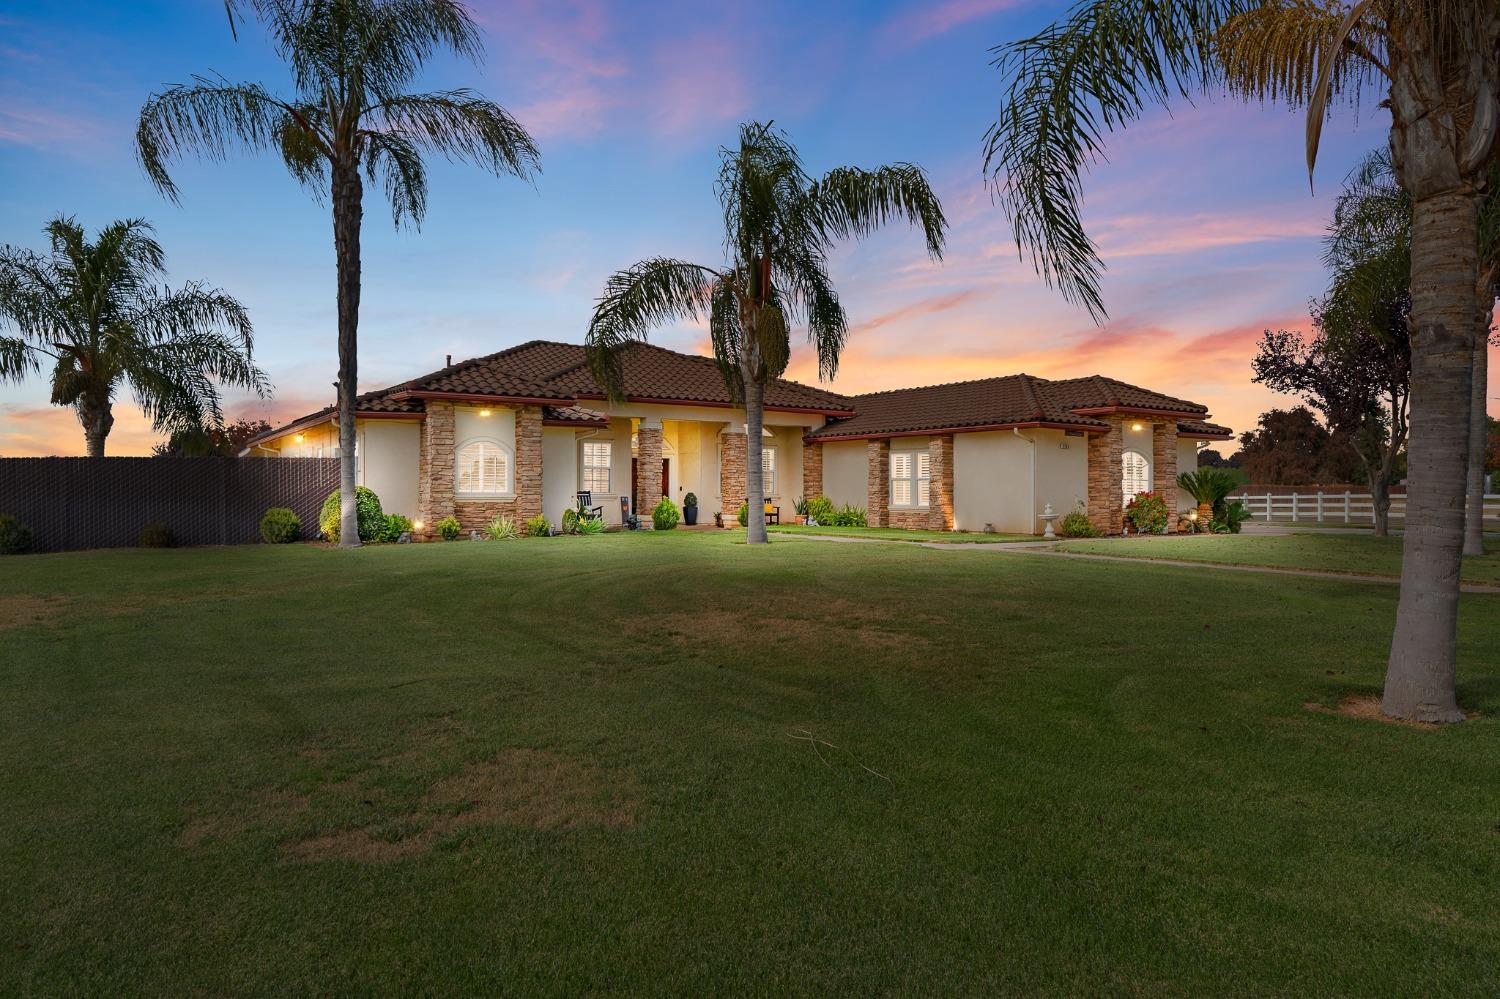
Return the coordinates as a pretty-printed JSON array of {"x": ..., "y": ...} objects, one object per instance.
[
  {"x": 1327, "y": 552},
  {"x": 895, "y": 534},
  {"x": 675, "y": 764}
]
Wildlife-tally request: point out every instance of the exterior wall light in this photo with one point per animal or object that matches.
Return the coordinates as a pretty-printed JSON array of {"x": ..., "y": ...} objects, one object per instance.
[
  {"x": 1137, "y": 427},
  {"x": 484, "y": 412},
  {"x": 298, "y": 438}
]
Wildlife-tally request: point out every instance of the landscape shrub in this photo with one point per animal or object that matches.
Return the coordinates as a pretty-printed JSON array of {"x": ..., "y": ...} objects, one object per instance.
[
  {"x": 743, "y": 515},
  {"x": 665, "y": 516},
  {"x": 156, "y": 536},
  {"x": 590, "y": 525},
  {"x": 369, "y": 516},
  {"x": 1147, "y": 513},
  {"x": 501, "y": 528},
  {"x": 15, "y": 537},
  {"x": 1077, "y": 525},
  {"x": 821, "y": 510},
  {"x": 570, "y": 521},
  {"x": 1231, "y": 520},
  {"x": 280, "y": 526},
  {"x": 539, "y": 527},
  {"x": 395, "y": 525},
  {"x": 449, "y": 528}
]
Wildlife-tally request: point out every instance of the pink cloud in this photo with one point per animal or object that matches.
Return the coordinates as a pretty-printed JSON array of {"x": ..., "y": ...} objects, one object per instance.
[
  {"x": 50, "y": 129},
  {"x": 925, "y": 21}
]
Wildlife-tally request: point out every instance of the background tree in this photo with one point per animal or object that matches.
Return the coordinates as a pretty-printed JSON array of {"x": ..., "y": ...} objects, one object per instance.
[
  {"x": 351, "y": 63},
  {"x": 100, "y": 314},
  {"x": 1290, "y": 447},
  {"x": 1435, "y": 64},
  {"x": 779, "y": 224},
  {"x": 210, "y": 442}
]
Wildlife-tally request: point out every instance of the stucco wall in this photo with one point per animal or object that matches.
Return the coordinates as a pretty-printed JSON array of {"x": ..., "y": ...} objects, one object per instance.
[
  {"x": 1062, "y": 472},
  {"x": 1187, "y": 461},
  {"x": 844, "y": 471},
  {"x": 992, "y": 483},
  {"x": 388, "y": 460}
]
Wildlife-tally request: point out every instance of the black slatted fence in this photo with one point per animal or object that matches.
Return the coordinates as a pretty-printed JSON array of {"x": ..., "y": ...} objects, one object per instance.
[{"x": 104, "y": 502}]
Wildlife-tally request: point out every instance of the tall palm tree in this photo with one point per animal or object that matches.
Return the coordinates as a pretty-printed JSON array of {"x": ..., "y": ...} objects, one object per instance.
[
  {"x": 779, "y": 224},
  {"x": 1435, "y": 63},
  {"x": 1369, "y": 251},
  {"x": 351, "y": 62},
  {"x": 101, "y": 314}
]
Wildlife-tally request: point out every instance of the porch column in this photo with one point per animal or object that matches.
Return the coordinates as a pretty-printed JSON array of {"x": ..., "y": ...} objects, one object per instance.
[
  {"x": 812, "y": 469},
  {"x": 878, "y": 478},
  {"x": 528, "y": 463},
  {"x": 1164, "y": 468},
  {"x": 648, "y": 446},
  {"x": 1106, "y": 479},
  {"x": 732, "y": 473},
  {"x": 435, "y": 468},
  {"x": 940, "y": 486}
]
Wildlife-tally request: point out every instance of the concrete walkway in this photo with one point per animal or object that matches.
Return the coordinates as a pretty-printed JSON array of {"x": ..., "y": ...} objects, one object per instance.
[{"x": 1048, "y": 549}]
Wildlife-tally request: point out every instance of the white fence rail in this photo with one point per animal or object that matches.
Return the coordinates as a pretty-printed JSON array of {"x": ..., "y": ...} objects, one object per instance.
[{"x": 1334, "y": 508}]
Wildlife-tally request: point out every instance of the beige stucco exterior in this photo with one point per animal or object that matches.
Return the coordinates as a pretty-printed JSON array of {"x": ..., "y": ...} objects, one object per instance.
[
  {"x": 1187, "y": 461},
  {"x": 992, "y": 482},
  {"x": 845, "y": 467}
]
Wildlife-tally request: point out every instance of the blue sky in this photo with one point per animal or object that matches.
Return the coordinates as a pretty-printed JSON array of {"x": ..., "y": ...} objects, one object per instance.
[{"x": 1205, "y": 217}]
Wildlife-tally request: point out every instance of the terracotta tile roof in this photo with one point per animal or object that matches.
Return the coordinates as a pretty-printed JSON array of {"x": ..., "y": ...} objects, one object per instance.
[
  {"x": 1010, "y": 400},
  {"x": 500, "y": 374},
  {"x": 574, "y": 414},
  {"x": 1096, "y": 392},
  {"x": 653, "y": 372},
  {"x": 1198, "y": 428}
]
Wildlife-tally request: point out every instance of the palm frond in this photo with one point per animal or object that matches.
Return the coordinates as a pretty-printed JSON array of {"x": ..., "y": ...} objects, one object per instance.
[
  {"x": 1063, "y": 91},
  {"x": 850, "y": 202},
  {"x": 646, "y": 295},
  {"x": 397, "y": 164},
  {"x": 207, "y": 118},
  {"x": 1275, "y": 52},
  {"x": 17, "y": 359}
]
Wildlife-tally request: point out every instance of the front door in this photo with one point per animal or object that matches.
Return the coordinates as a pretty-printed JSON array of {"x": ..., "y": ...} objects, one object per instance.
[{"x": 635, "y": 483}]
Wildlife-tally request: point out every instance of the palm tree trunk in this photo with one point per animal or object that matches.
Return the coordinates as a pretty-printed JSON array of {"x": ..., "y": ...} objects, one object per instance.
[
  {"x": 97, "y": 417},
  {"x": 1419, "y": 681},
  {"x": 1478, "y": 426},
  {"x": 755, "y": 486},
  {"x": 348, "y": 211}
]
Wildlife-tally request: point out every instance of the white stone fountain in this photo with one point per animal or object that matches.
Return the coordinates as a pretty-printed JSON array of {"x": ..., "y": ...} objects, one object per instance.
[{"x": 1048, "y": 515}]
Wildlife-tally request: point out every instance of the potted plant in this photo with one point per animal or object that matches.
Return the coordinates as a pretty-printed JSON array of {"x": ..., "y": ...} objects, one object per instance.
[
  {"x": 799, "y": 508},
  {"x": 690, "y": 509}
]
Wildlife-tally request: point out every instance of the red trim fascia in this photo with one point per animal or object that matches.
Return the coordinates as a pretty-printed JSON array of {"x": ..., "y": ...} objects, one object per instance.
[
  {"x": 1207, "y": 437},
  {"x": 1029, "y": 425},
  {"x": 579, "y": 424},
  {"x": 386, "y": 415},
  {"x": 721, "y": 405},
  {"x": 1180, "y": 414},
  {"x": 518, "y": 400}
]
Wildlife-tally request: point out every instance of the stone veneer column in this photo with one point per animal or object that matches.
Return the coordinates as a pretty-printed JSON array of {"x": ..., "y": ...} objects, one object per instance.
[
  {"x": 1164, "y": 468},
  {"x": 528, "y": 464},
  {"x": 435, "y": 467},
  {"x": 812, "y": 470},
  {"x": 732, "y": 473},
  {"x": 940, "y": 486},
  {"x": 878, "y": 478},
  {"x": 648, "y": 448},
  {"x": 1106, "y": 477}
]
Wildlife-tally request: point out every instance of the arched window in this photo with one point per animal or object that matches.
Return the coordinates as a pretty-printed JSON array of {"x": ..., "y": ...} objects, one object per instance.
[
  {"x": 1136, "y": 474},
  {"x": 483, "y": 469}
]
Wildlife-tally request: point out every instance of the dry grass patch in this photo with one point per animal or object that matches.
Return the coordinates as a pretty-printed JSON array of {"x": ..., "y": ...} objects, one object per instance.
[
  {"x": 1367, "y": 706},
  {"x": 24, "y": 610},
  {"x": 522, "y": 788},
  {"x": 843, "y": 621},
  {"x": 268, "y": 808}
]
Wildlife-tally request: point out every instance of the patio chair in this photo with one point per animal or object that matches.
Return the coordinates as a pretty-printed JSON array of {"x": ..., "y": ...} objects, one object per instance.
[
  {"x": 586, "y": 506},
  {"x": 773, "y": 514}
]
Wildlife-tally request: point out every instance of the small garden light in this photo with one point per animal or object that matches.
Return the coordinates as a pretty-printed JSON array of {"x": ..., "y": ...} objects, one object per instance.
[{"x": 417, "y": 524}]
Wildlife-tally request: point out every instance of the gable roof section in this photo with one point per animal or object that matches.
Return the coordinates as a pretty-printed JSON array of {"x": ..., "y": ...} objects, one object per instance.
[
  {"x": 1001, "y": 403},
  {"x": 1204, "y": 430}
]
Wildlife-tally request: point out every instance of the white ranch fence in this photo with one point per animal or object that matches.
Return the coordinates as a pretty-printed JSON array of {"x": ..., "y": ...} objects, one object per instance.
[{"x": 1270, "y": 507}]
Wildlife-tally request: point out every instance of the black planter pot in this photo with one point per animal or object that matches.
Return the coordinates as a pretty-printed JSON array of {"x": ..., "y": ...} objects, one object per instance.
[{"x": 690, "y": 515}]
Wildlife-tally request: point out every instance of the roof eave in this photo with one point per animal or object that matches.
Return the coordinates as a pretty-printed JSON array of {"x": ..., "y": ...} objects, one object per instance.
[
  {"x": 516, "y": 400},
  {"x": 817, "y": 438},
  {"x": 653, "y": 401},
  {"x": 1177, "y": 414}
]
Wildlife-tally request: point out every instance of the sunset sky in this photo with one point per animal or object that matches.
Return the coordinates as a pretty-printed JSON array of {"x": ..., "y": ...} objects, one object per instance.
[{"x": 1205, "y": 217}]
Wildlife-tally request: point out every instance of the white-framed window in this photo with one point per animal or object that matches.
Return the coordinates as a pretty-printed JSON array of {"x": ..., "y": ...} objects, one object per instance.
[
  {"x": 597, "y": 457},
  {"x": 1135, "y": 475},
  {"x": 911, "y": 478},
  {"x": 768, "y": 471},
  {"x": 483, "y": 469}
]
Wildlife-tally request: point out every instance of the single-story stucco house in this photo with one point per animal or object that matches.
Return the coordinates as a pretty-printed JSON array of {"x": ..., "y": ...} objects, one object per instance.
[{"x": 522, "y": 431}]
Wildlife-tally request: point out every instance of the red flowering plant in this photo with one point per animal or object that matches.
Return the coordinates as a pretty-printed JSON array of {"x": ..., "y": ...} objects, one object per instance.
[{"x": 1147, "y": 513}]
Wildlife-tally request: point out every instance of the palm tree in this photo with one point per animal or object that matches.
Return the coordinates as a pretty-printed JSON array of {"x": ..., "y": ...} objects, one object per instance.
[
  {"x": 779, "y": 224},
  {"x": 351, "y": 64},
  {"x": 1435, "y": 63},
  {"x": 102, "y": 316}
]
